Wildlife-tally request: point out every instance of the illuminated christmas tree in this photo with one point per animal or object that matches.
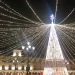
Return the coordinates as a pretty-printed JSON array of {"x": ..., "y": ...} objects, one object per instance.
[{"x": 54, "y": 63}]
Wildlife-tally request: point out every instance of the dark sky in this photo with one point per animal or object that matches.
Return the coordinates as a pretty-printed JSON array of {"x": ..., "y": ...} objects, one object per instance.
[{"x": 44, "y": 8}]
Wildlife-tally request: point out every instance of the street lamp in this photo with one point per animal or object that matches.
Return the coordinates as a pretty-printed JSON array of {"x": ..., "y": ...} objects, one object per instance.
[{"x": 28, "y": 48}]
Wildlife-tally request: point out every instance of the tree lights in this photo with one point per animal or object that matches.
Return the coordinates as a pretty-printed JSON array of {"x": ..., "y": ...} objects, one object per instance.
[{"x": 54, "y": 62}]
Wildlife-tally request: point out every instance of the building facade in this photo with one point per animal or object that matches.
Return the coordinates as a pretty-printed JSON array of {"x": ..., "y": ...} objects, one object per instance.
[{"x": 17, "y": 65}]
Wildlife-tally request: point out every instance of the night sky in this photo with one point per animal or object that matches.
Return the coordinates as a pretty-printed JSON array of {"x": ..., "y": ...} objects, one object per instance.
[{"x": 44, "y": 8}]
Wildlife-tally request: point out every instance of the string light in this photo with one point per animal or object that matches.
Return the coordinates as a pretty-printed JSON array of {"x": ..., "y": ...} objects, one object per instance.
[
  {"x": 65, "y": 51},
  {"x": 12, "y": 17},
  {"x": 33, "y": 38},
  {"x": 72, "y": 28},
  {"x": 10, "y": 22},
  {"x": 70, "y": 38},
  {"x": 67, "y": 16},
  {"x": 33, "y": 11},
  {"x": 18, "y": 14},
  {"x": 66, "y": 48},
  {"x": 39, "y": 34}
]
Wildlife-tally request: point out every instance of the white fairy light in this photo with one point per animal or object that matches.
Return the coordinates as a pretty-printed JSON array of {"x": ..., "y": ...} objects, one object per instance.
[
  {"x": 23, "y": 47},
  {"x": 10, "y": 22},
  {"x": 19, "y": 67},
  {"x": 14, "y": 54},
  {"x": 33, "y": 11},
  {"x": 54, "y": 52},
  {"x": 13, "y": 67},
  {"x": 28, "y": 43},
  {"x": 68, "y": 15},
  {"x": 13, "y": 61},
  {"x": 18, "y": 14},
  {"x": 6, "y": 67},
  {"x": 17, "y": 60},
  {"x": 19, "y": 54},
  {"x": 33, "y": 48},
  {"x": 31, "y": 67},
  {"x": 29, "y": 46},
  {"x": 11, "y": 17}
]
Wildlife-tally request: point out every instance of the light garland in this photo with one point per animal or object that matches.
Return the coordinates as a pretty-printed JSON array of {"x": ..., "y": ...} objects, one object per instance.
[
  {"x": 12, "y": 17},
  {"x": 67, "y": 49},
  {"x": 68, "y": 15},
  {"x": 72, "y": 28},
  {"x": 40, "y": 33},
  {"x": 10, "y": 22},
  {"x": 66, "y": 53},
  {"x": 33, "y": 11},
  {"x": 70, "y": 38},
  {"x": 16, "y": 13}
]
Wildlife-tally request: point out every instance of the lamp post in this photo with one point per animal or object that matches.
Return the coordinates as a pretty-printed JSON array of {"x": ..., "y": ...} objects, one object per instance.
[{"x": 28, "y": 48}]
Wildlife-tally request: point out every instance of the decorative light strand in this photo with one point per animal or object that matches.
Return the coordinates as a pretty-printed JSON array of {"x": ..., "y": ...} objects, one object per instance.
[
  {"x": 69, "y": 48},
  {"x": 44, "y": 43},
  {"x": 72, "y": 28},
  {"x": 67, "y": 16},
  {"x": 10, "y": 22},
  {"x": 70, "y": 38},
  {"x": 16, "y": 13},
  {"x": 12, "y": 17},
  {"x": 40, "y": 45},
  {"x": 33, "y": 11},
  {"x": 66, "y": 53}
]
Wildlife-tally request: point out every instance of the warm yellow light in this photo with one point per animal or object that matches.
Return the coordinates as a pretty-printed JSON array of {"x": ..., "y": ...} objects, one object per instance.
[
  {"x": 6, "y": 67},
  {"x": 24, "y": 67},
  {"x": 19, "y": 54},
  {"x": 0, "y": 67},
  {"x": 14, "y": 54},
  {"x": 13, "y": 68},
  {"x": 31, "y": 68}
]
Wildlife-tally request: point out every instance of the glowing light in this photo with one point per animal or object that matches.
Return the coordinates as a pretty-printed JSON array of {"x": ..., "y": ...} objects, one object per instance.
[
  {"x": 33, "y": 48},
  {"x": 54, "y": 55},
  {"x": 25, "y": 67},
  {"x": 67, "y": 62},
  {"x": 14, "y": 54},
  {"x": 0, "y": 67},
  {"x": 17, "y": 60},
  {"x": 13, "y": 67},
  {"x": 33, "y": 11},
  {"x": 28, "y": 43},
  {"x": 52, "y": 18},
  {"x": 53, "y": 46},
  {"x": 13, "y": 61},
  {"x": 29, "y": 46},
  {"x": 19, "y": 67},
  {"x": 23, "y": 47},
  {"x": 31, "y": 68},
  {"x": 6, "y": 67},
  {"x": 48, "y": 71},
  {"x": 19, "y": 54}
]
